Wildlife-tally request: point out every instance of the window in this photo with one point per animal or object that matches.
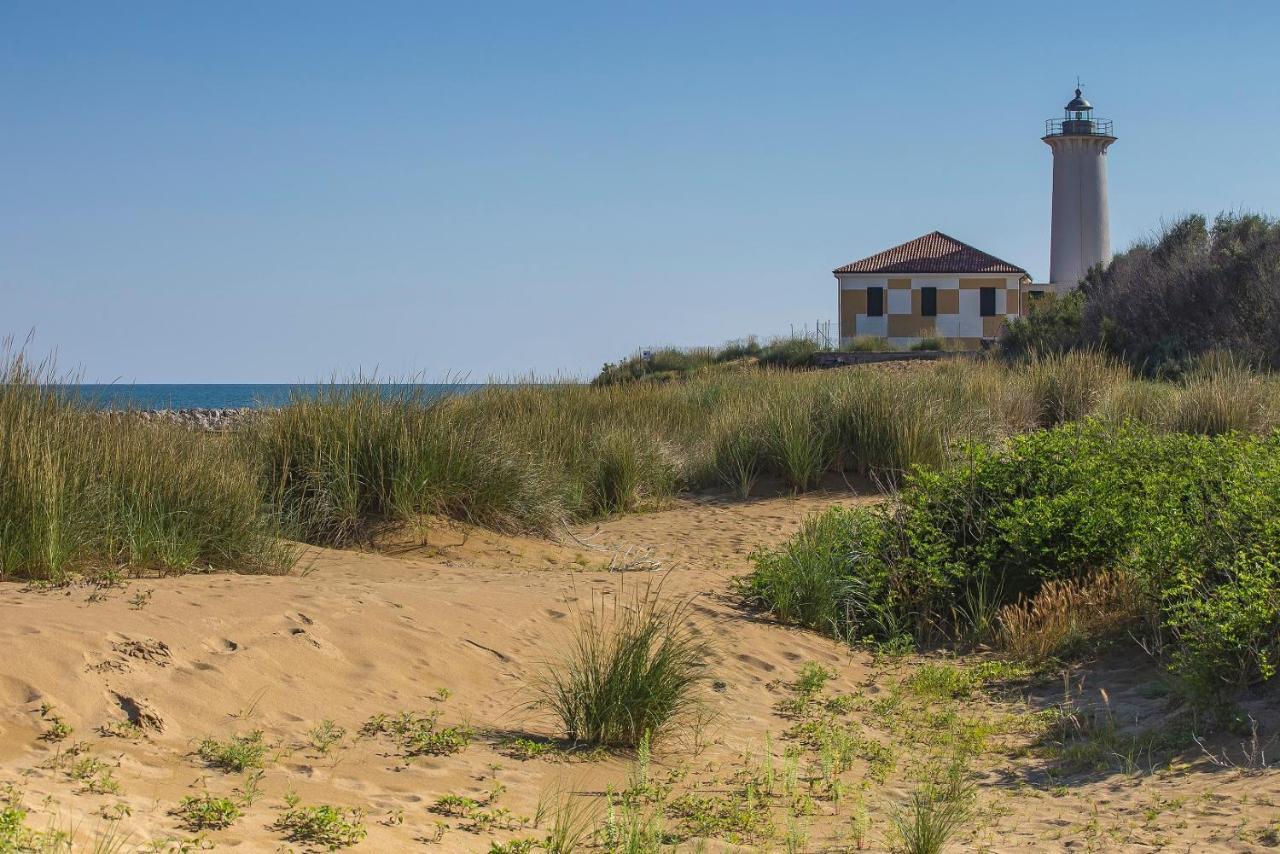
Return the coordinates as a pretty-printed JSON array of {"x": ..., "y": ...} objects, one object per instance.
[
  {"x": 875, "y": 302},
  {"x": 987, "y": 302},
  {"x": 929, "y": 302},
  {"x": 1035, "y": 294}
]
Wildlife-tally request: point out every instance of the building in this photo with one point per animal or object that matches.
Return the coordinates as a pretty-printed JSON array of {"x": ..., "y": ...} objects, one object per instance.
[
  {"x": 937, "y": 286},
  {"x": 932, "y": 286},
  {"x": 1081, "y": 229}
]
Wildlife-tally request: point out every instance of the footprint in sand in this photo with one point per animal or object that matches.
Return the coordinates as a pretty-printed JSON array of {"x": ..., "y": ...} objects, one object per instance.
[
  {"x": 221, "y": 646},
  {"x": 757, "y": 663},
  {"x": 148, "y": 649}
]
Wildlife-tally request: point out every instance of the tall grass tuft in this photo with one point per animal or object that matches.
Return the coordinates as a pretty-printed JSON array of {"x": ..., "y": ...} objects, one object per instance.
[
  {"x": 805, "y": 580},
  {"x": 632, "y": 471},
  {"x": 1224, "y": 398},
  {"x": 1069, "y": 386},
  {"x": 342, "y": 464},
  {"x": 633, "y": 671},
  {"x": 934, "y": 814},
  {"x": 796, "y": 436},
  {"x": 82, "y": 490},
  {"x": 883, "y": 427}
]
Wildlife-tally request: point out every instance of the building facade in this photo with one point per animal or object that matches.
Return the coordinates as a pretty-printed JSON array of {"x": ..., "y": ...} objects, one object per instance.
[{"x": 932, "y": 287}]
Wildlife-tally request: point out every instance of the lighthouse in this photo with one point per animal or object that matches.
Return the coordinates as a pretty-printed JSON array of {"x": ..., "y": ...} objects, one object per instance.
[{"x": 1081, "y": 232}]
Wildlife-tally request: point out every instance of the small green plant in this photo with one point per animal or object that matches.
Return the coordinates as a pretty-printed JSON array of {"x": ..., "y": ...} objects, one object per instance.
[
  {"x": 56, "y": 729},
  {"x": 329, "y": 826},
  {"x": 325, "y": 735},
  {"x": 238, "y": 753},
  {"x": 127, "y": 730},
  {"x": 250, "y": 790},
  {"x": 94, "y": 776},
  {"x": 525, "y": 749},
  {"x": 812, "y": 679},
  {"x": 205, "y": 812},
  {"x": 419, "y": 734}
]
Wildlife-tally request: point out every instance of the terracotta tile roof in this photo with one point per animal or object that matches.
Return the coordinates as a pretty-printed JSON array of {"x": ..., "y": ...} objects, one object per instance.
[{"x": 935, "y": 252}]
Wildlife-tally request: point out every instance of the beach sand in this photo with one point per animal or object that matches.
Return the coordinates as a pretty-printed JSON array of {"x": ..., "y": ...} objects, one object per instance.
[{"x": 461, "y": 621}]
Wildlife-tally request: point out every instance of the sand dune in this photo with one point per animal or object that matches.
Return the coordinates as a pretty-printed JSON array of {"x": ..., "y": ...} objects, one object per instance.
[{"x": 459, "y": 622}]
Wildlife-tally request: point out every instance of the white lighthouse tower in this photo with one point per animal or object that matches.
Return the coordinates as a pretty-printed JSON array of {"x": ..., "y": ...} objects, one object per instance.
[{"x": 1081, "y": 228}]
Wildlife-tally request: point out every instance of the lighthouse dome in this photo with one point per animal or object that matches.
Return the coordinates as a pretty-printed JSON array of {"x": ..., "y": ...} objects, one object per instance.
[{"x": 1078, "y": 103}]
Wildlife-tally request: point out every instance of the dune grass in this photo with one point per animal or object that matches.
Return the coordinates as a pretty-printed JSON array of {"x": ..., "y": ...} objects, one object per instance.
[
  {"x": 82, "y": 491},
  {"x": 632, "y": 672}
]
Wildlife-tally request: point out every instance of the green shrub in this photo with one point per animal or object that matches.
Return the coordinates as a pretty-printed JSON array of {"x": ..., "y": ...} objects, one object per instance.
[
  {"x": 631, "y": 672},
  {"x": 1051, "y": 326},
  {"x": 1193, "y": 289},
  {"x": 1193, "y": 520},
  {"x": 788, "y": 353},
  {"x": 735, "y": 350}
]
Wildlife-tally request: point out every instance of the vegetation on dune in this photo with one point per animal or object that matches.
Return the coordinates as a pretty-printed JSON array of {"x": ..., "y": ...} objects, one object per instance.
[
  {"x": 355, "y": 458},
  {"x": 83, "y": 490},
  {"x": 1008, "y": 544},
  {"x": 632, "y": 672},
  {"x": 1165, "y": 303},
  {"x": 671, "y": 363},
  {"x": 80, "y": 490}
]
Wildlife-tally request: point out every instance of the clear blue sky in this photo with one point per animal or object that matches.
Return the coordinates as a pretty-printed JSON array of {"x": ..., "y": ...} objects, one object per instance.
[{"x": 256, "y": 192}]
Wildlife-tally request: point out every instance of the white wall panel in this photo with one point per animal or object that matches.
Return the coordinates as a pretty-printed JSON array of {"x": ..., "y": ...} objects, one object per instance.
[
  {"x": 873, "y": 325},
  {"x": 899, "y": 301}
]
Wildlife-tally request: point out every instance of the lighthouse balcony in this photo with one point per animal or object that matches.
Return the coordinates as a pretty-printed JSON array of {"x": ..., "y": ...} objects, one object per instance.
[{"x": 1078, "y": 127}]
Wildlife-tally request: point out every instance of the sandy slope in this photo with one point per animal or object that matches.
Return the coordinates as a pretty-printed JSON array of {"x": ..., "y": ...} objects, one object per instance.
[{"x": 350, "y": 635}]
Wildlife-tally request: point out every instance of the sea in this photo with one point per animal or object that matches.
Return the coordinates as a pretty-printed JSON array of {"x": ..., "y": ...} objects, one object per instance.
[{"x": 237, "y": 395}]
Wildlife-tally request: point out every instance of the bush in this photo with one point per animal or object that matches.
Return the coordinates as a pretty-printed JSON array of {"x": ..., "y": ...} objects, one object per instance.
[
  {"x": 788, "y": 353},
  {"x": 1051, "y": 326},
  {"x": 1192, "y": 289},
  {"x": 1194, "y": 521},
  {"x": 631, "y": 673}
]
